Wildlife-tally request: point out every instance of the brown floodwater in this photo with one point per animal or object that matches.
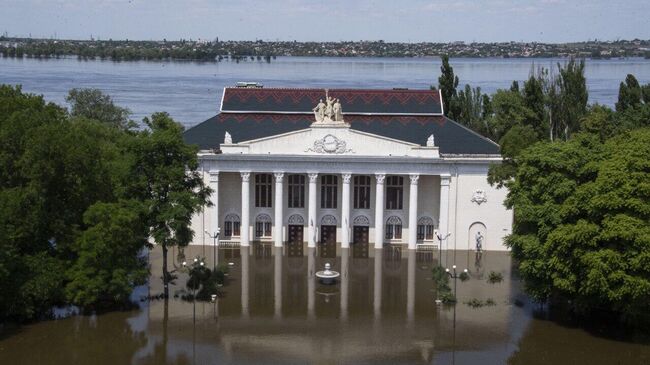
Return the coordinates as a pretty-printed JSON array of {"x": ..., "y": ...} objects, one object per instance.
[{"x": 273, "y": 310}]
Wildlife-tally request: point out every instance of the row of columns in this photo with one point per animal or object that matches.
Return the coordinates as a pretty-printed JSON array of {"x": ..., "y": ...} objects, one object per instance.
[{"x": 345, "y": 208}]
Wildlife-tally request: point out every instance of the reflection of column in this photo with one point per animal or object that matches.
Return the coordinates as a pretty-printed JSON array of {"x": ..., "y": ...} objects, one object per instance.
[
  {"x": 245, "y": 209},
  {"x": 443, "y": 220},
  {"x": 311, "y": 265},
  {"x": 413, "y": 211},
  {"x": 244, "y": 280},
  {"x": 377, "y": 291},
  {"x": 410, "y": 286},
  {"x": 345, "y": 211},
  {"x": 278, "y": 208},
  {"x": 379, "y": 211},
  {"x": 311, "y": 231},
  {"x": 214, "y": 198},
  {"x": 277, "y": 284},
  {"x": 345, "y": 264}
]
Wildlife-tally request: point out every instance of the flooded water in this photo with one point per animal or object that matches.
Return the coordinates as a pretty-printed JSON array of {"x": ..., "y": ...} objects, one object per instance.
[
  {"x": 274, "y": 311},
  {"x": 191, "y": 92}
]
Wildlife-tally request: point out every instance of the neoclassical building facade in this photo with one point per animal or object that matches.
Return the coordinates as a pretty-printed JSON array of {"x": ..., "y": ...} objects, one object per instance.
[{"x": 344, "y": 167}]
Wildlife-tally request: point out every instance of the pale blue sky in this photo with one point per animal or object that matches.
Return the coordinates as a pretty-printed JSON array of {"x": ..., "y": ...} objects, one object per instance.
[{"x": 391, "y": 20}]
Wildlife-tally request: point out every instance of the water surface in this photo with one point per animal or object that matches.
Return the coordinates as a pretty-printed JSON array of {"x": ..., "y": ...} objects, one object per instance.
[
  {"x": 273, "y": 311},
  {"x": 191, "y": 92}
]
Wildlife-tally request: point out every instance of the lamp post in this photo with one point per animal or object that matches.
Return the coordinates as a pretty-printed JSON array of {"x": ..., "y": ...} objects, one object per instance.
[
  {"x": 440, "y": 239},
  {"x": 455, "y": 276},
  {"x": 215, "y": 239}
]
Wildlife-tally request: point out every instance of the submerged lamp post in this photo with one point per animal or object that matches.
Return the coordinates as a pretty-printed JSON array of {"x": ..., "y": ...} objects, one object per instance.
[
  {"x": 455, "y": 276},
  {"x": 440, "y": 239},
  {"x": 215, "y": 239}
]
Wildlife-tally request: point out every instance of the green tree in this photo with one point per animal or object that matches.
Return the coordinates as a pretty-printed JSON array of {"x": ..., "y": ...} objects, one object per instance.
[
  {"x": 573, "y": 95},
  {"x": 629, "y": 94},
  {"x": 447, "y": 84},
  {"x": 163, "y": 176},
  {"x": 93, "y": 104},
  {"x": 108, "y": 265},
  {"x": 581, "y": 229}
]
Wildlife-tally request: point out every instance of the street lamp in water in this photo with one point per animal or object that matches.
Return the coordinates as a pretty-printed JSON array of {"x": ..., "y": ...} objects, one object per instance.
[
  {"x": 215, "y": 243},
  {"x": 440, "y": 239},
  {"x": 456, "y": 276}
]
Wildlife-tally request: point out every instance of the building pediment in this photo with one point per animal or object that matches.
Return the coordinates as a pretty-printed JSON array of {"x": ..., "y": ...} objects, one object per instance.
[{"x": 329, "y": 140}]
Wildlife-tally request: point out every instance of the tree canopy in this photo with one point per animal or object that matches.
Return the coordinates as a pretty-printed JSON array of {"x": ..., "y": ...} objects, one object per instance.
[{"x": 80, "y": 195}]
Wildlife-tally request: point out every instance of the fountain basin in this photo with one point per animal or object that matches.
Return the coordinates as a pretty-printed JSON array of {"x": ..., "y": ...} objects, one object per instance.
[{"x": 327, "y": 276}]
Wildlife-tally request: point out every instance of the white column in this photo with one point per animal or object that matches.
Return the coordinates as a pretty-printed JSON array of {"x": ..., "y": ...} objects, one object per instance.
[
  {"x": 214, "y": 198},
  {"x": 413, "y": 211},
  {"x": 345, "y": 268},
  {"x": 379, "y": 211},
  {"x": 443, "y": 219},
  {"x": 279, "y": 216},
  {"x": 345, "y": 212},
  {"x": 245, "y": 209},
  {"x": 311, "y": 219}
]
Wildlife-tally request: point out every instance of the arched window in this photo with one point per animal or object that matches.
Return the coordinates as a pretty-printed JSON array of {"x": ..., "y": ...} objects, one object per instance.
[
  {"x": 263, "y": 225},
  {"x": 231, "y": 225},
  {"x": 425, "y": 228},
  {"x": 393, "y": 228}
]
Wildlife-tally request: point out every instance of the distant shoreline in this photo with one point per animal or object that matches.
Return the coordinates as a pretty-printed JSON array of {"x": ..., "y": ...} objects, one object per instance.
[{"x": 264, "y": 51}]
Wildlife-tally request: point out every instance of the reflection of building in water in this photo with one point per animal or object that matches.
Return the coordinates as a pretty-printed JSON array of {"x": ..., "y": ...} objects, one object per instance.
[
  {"x": 386, "y": 169},
  {"x": 383, "y": 308}
]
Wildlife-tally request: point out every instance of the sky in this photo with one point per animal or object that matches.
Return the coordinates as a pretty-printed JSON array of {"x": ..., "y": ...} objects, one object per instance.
[{"x": 329, "y": 20}]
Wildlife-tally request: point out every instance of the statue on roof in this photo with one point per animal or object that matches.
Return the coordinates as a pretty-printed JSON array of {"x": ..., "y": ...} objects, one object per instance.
[
  {"x": 338, "y": 111},
  {"x": 227, "y": 139},
  {"x": 329, "y": 109},
  {"x": 430, "y": 141},
  {"x": 319, "y": 111}
]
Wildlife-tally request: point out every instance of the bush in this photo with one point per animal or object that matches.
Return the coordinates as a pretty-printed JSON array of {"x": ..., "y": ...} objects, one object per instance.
[{"x": 494, "y": 277}]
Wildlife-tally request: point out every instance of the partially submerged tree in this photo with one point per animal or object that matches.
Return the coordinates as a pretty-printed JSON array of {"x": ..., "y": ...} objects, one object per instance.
[{"x": 164, "y": 177}]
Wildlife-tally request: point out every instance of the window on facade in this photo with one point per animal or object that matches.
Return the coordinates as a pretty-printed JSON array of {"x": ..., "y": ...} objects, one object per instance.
[
  {"x": 263, "y": 190},
  {"x": 231, "y": 225},
  {"x": 263, "y": 225},
  {"x": 425, "y": 229},
  {"x": 296, "y": 191},
  {"x": 362, "y": 192},
  {"x": 394, "y": 192},
  {"x": 393, "y": 228},
  {"x": 328, "y": 191}
]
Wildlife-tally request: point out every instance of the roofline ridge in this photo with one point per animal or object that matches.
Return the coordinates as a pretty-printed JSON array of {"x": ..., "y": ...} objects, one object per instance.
[{"x": 472, "y": 131}]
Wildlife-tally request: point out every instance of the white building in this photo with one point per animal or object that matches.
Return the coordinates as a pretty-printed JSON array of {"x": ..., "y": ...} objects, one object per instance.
[{"x": 390, "y": 169}]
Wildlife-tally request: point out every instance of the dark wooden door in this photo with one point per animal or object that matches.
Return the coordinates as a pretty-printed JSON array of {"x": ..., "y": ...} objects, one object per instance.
[
  {"x": 295, "y": 243},
  {"x": 328, "y": 241},
  {"x": 360, "y": 241}
]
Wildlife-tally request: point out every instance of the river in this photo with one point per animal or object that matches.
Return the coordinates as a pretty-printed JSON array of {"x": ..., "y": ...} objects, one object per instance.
[{"x": 190, "y": 92}]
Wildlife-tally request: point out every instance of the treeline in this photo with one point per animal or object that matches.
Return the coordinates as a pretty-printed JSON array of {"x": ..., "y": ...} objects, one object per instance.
[
  {"x": 578, "y": 177},
  {"x": 83, "y": 193},
  {"x": 131, "y": 51}
]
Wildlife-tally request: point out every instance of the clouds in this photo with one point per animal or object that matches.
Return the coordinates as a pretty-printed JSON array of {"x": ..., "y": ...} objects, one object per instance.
[{"x": 406, "y": 20}]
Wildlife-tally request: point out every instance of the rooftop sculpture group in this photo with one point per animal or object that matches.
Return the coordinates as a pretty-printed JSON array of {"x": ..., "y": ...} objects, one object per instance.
[{"x": 329, "y": 111}]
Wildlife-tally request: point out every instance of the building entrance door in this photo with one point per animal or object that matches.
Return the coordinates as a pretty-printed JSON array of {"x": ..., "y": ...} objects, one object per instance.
[
  {"x": 360, "y": 241},
  {"x": 295, "y": 242},
  {"x": 327, "y": 241}
]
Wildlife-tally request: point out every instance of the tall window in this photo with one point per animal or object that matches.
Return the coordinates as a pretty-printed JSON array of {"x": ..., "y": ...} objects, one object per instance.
[
  {"x": 362, "y": 192},
  {"x": 393, "y": 228},
  {"x": 425, "y": 229},
  {"x": 231, "y": 225},
  {"x": 328, "y": 191},
  {"x": 263, "y": 225},
  {"x": 296, "y": 191},
  {"x": 394, "y": 192},
  {"x": 263, "y": 190}
]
